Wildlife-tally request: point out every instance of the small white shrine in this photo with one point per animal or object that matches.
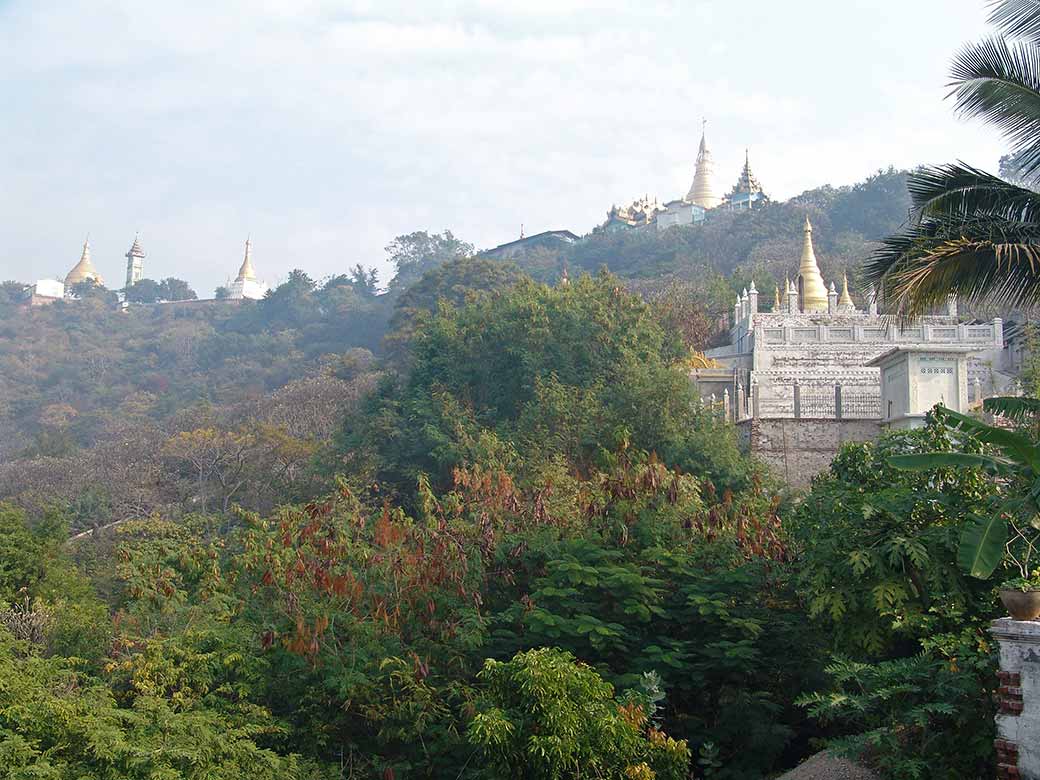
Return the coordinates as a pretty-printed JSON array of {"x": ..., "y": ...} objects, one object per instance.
[{"x": 917, "y": 377}]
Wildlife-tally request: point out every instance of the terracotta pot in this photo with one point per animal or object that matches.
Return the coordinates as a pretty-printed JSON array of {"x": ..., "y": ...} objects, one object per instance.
[{"x": 1022, "y": 604}]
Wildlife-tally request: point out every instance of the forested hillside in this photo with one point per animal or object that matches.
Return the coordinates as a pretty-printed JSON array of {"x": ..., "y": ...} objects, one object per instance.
[
  {"x": 518, "y": 548},
  {"x": 731, "y": 247},
  {"x": 200, "y": 405}
]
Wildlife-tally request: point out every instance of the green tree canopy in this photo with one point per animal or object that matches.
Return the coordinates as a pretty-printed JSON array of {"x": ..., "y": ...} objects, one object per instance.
[
  {"x": 144, "y": 291},
  {"x": 414, "y": 254},
  {"x": 566, "y": 371}
]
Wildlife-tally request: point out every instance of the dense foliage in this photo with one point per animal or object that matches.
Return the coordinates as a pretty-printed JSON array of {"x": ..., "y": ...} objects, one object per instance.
[
  {"x": 504, "y": 542},
  {"x": 914, "y": 665},
  {"x": 559, "y": 374}
]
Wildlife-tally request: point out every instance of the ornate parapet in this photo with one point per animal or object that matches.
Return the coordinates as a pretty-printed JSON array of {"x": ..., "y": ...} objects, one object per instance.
[
  {"x": 1018, "y": 716},
  {"x": 780, "y": 330}
]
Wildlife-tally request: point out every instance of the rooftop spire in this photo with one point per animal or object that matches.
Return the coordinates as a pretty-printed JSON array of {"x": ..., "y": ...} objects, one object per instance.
[
  {"x": 747, "y": 183},
  {"x": 702, "y": 191},
  {"x": 246, "y": 272},
  {"x": 813, "y": 292},
  {"x": 846, "y": 300},
  {"x": 135, "y": 250}
]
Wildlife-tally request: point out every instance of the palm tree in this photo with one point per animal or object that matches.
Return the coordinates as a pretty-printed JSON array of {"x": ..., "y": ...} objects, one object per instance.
[{"x": 971, "y": 233}]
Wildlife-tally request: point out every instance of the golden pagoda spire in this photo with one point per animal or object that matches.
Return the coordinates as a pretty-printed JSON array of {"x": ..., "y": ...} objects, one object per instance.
[
  {"x": 813, "y": 292},
  {"x": 246, "y": 272},
  {"x": 776, "y": 297},
  {"x": 702, "y": 191},
  {"x": 845, "y": 302},
  {"x": 84, "y": 269}
]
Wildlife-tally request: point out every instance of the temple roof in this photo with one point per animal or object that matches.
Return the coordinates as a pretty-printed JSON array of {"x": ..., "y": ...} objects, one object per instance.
[
  {"x": 702, "y": 191},
  {"x": 135, "y": 250},
  {"x": 640, "y": 212},
  {"x": 746, "y": 182},
  {"x": 813, "y": 291},
  {"x": 246, "y": 272},
  {"x": 84, "y": 269}
]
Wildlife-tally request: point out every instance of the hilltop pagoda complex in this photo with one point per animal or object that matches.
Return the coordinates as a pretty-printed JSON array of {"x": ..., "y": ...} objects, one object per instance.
[{"x": 702, "y": 197}]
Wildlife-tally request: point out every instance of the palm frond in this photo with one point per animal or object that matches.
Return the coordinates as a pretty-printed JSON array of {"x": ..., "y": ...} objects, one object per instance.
[
  {"x": 999, "y": 81},
  {"x": 981, "y": 259},
  {"x": 1017, "y": 18},
  {"x": 961, "y": 190},
  {"x": 1014, "y": 445},
  {"x": 927, "y": 461}
]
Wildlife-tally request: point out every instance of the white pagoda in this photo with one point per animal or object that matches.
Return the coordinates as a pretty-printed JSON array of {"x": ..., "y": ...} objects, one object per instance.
[{"x": 246, "y": 286}]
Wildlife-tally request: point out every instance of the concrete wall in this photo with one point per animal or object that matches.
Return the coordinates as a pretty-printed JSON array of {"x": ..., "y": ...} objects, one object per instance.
[{"x": 797, "y": 450}]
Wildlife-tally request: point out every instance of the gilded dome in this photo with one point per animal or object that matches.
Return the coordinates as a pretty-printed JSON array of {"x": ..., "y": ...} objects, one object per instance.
[{"x": 83, "y": 270}]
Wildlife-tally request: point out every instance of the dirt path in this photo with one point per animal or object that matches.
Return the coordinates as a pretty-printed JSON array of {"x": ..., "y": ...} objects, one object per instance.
[{"x": 824, "y": 766}]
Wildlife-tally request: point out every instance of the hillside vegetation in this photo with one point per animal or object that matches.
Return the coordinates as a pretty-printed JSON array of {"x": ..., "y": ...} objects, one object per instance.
[{"x": 525, "y": 552}]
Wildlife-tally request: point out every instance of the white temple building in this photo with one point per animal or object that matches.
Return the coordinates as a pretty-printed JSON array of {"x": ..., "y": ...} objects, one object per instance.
[
  {"x": 803, "y": 375},
  {"x": 814, "y": 339},
  {"x": 246, "y": 286}
]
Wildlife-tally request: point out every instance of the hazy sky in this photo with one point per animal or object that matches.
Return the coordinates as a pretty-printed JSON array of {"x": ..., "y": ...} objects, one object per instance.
[{"x": 326, "y": 127}]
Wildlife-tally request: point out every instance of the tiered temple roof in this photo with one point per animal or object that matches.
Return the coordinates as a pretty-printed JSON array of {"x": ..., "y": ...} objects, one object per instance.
[{"x": 747, "y": 190}]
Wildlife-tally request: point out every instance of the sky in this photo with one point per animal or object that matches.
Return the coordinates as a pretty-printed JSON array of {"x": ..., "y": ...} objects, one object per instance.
[{"x": 325, "y": 128}]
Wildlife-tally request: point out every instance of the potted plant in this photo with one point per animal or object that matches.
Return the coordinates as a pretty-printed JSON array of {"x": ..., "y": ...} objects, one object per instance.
[{"x": 1021, "y": 595}]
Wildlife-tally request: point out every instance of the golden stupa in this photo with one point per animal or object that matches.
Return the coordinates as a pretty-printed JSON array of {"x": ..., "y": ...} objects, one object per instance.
[
  {"x": 812, "y": 290},
  {"x": 845, "y": 302},
  {"x": 83, "y": 270},
  {"x": 246, "y": 272},
  {"x": 702, "y": 192}
]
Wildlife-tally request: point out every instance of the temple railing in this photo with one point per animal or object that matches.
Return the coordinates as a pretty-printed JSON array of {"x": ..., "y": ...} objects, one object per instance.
[
  {"x": 817, "y": 402},
  {"x": 796, "y": 401}
]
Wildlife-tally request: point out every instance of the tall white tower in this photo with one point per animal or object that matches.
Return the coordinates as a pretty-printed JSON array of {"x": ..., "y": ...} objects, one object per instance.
[
  {"x": 702, "y": 192},
  {"x": 134, "y": 264}
]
